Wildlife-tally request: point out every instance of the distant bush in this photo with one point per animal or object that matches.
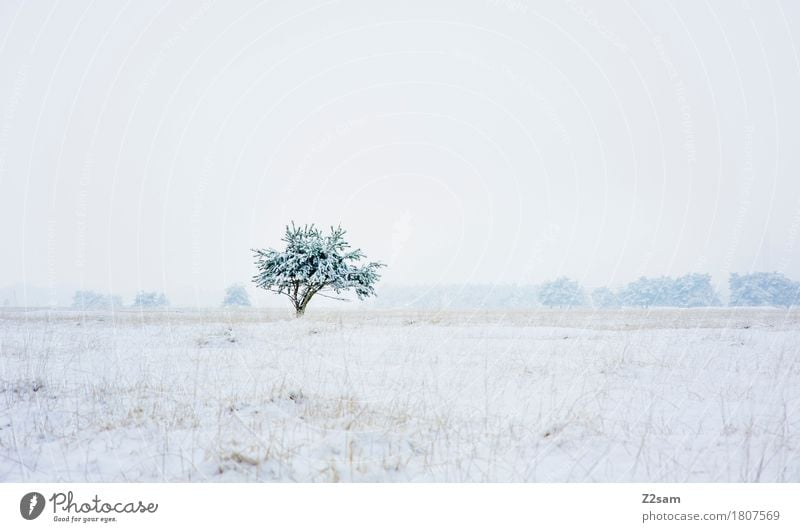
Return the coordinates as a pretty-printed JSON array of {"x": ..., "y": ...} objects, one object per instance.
[
  {"x": 236, "y": 296},
  {"x": 647, "y": 292},
  {"x": 563, "y": 292},
  {"x": 88, "y": 300},
  {"x": 150, "y": 300}
]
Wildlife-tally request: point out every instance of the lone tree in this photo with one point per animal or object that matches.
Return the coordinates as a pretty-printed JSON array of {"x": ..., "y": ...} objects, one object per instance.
[{"x": 312, "y": 264}]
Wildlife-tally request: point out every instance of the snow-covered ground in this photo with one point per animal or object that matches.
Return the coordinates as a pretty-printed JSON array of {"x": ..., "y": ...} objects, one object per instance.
[{"x": 542, "y": 396}]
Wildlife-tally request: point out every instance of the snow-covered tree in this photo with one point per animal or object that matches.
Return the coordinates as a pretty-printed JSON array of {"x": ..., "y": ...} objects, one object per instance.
[
  {"x": 312, "y": 264},
  {"x": 691, "y": 290},
  {"x": 563, "y": 292},
  {"x": 789, "y": 294},
  {"x": 150, "y": 300},
  {"x": 763, "y": 288},
  {"x": 236, "y": 296},
  {"x": 604, "y": 297},
  {"x": 88, "y": 300},
  {"x": 642, "y": 292},
  {"x": 694, "y": 290}
]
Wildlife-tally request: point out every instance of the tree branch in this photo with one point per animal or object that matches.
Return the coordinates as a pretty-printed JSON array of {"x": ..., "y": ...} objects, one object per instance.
[{"x": 332, "y": 297}]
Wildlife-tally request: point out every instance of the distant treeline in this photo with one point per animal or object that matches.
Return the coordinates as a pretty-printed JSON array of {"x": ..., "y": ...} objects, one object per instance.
[
  {"x": 691, "y": 290},
  {"x": 235, "y": 296},
  {"x": 87, "y": 299}
]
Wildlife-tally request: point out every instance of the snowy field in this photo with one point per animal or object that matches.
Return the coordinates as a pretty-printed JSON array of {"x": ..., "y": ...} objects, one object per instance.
[{"x": 536, "y": 396}]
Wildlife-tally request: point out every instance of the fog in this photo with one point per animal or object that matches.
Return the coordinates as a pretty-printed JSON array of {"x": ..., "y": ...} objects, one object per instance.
[{"x": 150, "y": 145}]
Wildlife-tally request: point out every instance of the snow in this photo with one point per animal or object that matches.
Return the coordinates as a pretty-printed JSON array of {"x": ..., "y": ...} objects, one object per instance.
[{"x": 664, "y": 395}]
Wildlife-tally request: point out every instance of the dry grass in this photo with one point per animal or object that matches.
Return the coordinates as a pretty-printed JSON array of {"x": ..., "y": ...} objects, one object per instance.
[{"x": 543, "y": 395}]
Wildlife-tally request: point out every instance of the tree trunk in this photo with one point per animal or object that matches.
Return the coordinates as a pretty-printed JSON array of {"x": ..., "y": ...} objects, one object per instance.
[{"x": 299, "y": 310}]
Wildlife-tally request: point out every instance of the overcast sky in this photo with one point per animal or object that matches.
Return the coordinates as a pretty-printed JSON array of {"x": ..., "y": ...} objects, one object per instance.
[{"x": 149, "y": 145}]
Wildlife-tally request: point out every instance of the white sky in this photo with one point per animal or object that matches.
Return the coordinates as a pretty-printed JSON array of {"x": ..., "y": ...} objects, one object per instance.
[{"x": 150, "y": 145}]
